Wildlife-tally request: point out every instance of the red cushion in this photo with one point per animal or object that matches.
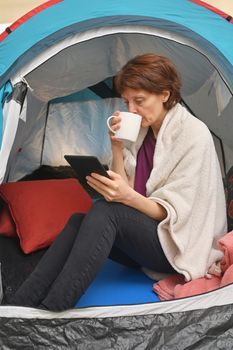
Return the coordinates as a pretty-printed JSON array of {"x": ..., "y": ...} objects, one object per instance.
[
  {"x": 7, "y": 225},
  {"x": 40, "y": 209}
]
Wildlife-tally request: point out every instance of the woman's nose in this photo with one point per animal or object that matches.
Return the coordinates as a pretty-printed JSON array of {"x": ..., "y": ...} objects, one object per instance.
[{"x": 132, "y": 108}]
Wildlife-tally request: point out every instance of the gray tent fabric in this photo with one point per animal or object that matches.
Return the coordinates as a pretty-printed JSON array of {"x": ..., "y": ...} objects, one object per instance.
[
  {"x": 190, "y": 330},
  {"x": 203, "y": 90}
]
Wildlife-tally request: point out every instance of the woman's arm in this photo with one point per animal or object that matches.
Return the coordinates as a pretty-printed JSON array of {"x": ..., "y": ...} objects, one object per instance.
[
  {"x": 118, "y": 162},
  {"x": 117, "y": 189},
  {"x": 146, "y": 206},
  {"x": 117, "y": 149}
]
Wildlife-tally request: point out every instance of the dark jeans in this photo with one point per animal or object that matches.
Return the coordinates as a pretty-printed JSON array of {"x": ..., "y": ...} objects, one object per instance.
[{"x": 75, "y": 257}]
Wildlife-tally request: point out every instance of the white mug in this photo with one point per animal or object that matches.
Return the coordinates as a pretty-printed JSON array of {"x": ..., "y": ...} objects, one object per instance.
[{"x": 129, "y": 126}]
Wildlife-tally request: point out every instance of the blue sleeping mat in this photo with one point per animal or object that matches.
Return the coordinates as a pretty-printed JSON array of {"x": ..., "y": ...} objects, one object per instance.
[{"x": 116, "y": 284}]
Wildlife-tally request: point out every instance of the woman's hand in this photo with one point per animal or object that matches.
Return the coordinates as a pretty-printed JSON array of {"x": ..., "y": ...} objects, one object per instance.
[{"x": 115, "y": 189}]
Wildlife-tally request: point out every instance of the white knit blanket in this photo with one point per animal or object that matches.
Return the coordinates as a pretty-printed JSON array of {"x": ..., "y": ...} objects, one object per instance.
[{"x": 186, "y": 180}]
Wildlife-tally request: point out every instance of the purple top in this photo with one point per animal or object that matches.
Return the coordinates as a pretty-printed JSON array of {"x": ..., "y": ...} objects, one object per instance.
[{"x": 144, "y": 162}]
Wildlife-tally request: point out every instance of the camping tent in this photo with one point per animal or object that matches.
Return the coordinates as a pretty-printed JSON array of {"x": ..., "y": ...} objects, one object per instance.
[{"x": 56, "y": 69}]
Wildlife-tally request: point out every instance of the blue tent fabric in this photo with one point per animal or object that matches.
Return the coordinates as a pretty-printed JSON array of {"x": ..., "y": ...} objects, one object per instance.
[
  {"x": 59, "y": 21},
  {"x": 5, "y": 91},
  {"x": 116, "y": 284}
]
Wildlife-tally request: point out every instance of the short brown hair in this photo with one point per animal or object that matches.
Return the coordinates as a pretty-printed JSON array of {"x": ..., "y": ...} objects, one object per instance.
[{"x": 153, "y": 73}]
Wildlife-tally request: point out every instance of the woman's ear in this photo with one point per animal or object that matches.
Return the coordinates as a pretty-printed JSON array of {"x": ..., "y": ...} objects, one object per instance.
[{"x": 166, "y": 95}]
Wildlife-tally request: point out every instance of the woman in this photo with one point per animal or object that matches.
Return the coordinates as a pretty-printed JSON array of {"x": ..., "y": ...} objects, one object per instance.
[{"x": 163, "y": 208}]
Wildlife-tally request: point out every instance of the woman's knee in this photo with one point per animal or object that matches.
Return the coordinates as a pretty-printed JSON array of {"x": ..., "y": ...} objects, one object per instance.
[
  {"x": 101, "y": 206},
  {"x": 104, "y": 208}
]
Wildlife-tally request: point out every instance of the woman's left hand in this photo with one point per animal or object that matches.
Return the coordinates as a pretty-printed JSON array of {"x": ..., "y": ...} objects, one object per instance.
[{"x": 115, "y": 189}]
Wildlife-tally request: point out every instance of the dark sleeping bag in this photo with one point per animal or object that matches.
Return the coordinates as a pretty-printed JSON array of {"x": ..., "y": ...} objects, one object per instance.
[{"x": 15, "y": 265}]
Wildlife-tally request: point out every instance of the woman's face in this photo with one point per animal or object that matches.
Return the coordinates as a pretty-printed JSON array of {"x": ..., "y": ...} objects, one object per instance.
[{"x": 149, "y": 105}]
